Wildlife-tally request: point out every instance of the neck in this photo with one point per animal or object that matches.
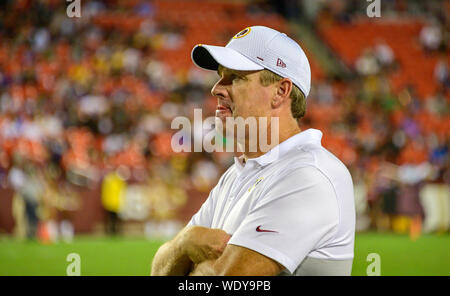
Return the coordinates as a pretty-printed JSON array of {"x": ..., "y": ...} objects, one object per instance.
[{"x": 285, "y": 132}]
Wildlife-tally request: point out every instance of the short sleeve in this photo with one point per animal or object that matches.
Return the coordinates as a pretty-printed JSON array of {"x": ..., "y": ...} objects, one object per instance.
[{"x": 291, "y": 218}]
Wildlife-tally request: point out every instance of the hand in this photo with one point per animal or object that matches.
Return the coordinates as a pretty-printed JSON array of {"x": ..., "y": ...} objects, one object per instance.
[
  {"x": 203, "y": 269},
  {"x": 201, "y": 243}
]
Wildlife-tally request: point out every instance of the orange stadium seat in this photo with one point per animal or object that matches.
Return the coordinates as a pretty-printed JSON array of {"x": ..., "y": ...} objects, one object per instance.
[{"x": 401, "y": 36}]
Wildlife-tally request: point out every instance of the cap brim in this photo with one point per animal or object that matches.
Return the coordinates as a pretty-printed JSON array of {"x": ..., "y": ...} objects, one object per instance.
[{"x": 210, "y": 57}]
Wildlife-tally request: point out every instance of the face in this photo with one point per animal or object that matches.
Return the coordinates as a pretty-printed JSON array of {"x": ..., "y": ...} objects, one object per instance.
[
  {"x": 240, "y": 94},
  {"x": 242, "y": 97}
]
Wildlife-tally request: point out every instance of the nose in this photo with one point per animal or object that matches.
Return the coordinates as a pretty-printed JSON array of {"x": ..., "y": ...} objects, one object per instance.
[{"x": 219, "y": 89}]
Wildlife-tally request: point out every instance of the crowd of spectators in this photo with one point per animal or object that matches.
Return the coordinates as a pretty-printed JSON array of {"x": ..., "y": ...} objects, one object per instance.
[
  {"x": 394, "y": 133},
  {"x": 80, "y": 99}
]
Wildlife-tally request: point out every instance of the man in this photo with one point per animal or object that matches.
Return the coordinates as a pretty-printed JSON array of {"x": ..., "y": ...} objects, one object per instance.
[{"x": 289, "y": 210}]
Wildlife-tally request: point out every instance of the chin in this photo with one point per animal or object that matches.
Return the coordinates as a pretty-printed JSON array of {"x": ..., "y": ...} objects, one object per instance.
[{"x": 221, "y": 129}]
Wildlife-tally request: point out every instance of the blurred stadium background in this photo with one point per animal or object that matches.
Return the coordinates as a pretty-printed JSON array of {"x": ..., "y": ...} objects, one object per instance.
[{"x": 86, "y": 105}]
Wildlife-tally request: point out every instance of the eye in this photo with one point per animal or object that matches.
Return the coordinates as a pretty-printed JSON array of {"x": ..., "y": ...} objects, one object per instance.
[{"x": 235, "y": 77}]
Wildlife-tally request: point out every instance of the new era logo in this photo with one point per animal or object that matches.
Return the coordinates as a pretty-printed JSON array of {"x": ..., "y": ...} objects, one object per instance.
[{"x": 280, "y": 63}]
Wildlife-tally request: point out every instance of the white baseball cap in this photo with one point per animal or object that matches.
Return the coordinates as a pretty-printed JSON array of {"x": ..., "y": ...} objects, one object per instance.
[{"x": 258, "y": 48}]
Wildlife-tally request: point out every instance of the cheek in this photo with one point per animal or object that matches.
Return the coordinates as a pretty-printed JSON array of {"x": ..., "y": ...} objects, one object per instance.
[{"x": 251, "y": 102}]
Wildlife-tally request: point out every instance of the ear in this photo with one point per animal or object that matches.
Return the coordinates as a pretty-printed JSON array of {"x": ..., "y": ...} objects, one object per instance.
[{"x": 283, "y": 91}]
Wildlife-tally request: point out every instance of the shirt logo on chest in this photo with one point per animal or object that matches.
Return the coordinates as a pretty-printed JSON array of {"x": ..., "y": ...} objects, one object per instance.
[{"x": 256, "y": 183}]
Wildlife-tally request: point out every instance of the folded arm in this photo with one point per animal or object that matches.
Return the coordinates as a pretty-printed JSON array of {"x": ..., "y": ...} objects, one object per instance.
[
  {"x": 171, "y": 259},
  {"x": 238, "y": 261},
  {"x": 191, "y": 246}
]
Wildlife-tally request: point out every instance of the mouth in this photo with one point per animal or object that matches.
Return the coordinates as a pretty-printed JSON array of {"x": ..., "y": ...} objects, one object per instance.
[
  {"x": 223, "y": 110},
  {"x": 222, "y": 107}
]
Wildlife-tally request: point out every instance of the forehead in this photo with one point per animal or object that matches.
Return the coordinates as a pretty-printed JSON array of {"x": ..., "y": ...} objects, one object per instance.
[{"x": 226, "y": 71}]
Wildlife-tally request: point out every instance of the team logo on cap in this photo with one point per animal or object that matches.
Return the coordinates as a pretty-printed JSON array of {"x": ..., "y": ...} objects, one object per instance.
[{"x": 242, "y": 33}]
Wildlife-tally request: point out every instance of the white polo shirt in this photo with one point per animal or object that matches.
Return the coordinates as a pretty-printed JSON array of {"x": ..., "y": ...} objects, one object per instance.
[{"x": 293, "y": 203}]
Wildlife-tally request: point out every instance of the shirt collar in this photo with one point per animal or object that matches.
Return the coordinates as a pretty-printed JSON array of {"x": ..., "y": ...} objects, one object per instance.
[{"x": 305, "y": 137}]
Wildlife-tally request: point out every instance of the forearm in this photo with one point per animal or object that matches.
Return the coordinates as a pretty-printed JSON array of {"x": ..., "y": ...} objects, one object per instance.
[
  {"x": 194, "y": 244},
  {"x": 171, "y": 259},
  {"x": 238, "y": 261}
]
